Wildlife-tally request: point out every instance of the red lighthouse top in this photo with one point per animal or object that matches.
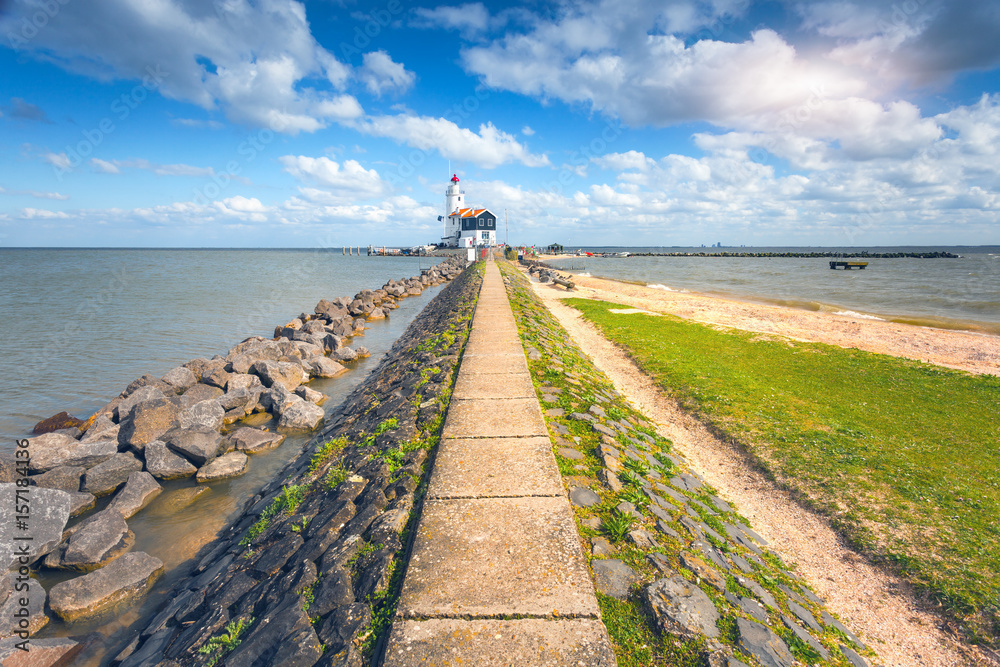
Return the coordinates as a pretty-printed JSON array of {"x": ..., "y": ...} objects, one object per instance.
[{"x": 454, "y": 178}]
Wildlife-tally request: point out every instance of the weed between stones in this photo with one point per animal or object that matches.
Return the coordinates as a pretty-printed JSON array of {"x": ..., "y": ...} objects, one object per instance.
[{"x": 659, "y": 516}]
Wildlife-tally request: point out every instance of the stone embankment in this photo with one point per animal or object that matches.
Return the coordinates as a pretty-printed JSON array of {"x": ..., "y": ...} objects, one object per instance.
[
  {"x": 309, "y": 572},
  {"x": 681, "y": 577},
  {"x": 196, "y": 420}
]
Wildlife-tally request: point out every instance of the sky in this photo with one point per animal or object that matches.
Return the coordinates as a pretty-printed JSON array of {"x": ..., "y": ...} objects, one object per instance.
[{"x": 278, "y": 123}]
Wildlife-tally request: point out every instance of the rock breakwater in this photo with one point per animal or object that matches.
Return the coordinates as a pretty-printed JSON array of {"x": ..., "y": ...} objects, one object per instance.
[
  {"x": 194, "y": 421},
  {"x": 310, "y": 570}
]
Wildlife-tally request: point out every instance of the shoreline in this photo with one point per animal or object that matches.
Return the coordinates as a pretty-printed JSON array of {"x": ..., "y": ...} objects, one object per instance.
[{"x": 970, "y": 351}]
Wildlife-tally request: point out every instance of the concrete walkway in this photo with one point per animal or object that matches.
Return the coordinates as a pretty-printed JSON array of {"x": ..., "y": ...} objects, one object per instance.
[{"x": 497, "y": 575}]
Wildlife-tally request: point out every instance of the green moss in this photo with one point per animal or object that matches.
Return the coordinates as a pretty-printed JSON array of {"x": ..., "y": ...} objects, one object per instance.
[{"x": 219, "y": 646}]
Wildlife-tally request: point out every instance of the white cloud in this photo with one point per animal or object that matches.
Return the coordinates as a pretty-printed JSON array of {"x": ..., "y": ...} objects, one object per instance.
[
  {"x": 470, "y": 17},
  {"x": 103, "y": 166},
  {"x": 382, "y": 75},
  {"x": 337, "y": 182},
  {"x": 43, "y": 214},
  {"x": 250, "y": 59},
  {"x": 58, "y": 160},
  {"x": 527, "y": 131},
  {"x": 198, "y": 123},
  {"x": 623, "y": 161},
  {"x": 488, "y": 148},
  {"x": 34, "y": 193}
]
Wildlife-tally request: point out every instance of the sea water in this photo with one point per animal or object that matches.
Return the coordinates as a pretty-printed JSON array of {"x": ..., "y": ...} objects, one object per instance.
[{"x": 961, "y": 293}]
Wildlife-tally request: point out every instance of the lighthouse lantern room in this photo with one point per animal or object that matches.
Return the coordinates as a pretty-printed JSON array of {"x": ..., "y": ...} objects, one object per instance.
[{"x": 466, "y": 227}]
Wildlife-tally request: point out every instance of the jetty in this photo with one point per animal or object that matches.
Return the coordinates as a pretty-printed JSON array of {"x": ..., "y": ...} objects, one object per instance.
[
  {"x": 497, "y": 568},
  {"x": 847, "y": 266}
]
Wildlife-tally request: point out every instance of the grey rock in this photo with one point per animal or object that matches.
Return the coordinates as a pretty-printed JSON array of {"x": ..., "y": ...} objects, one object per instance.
[
  {"x": 56, "y": 449},
  {"x": 763, "y": 644},
  {"x": 284, "y": 637},
  {"x": 681, "y": 608},
  {"x": 254, "y": 440},
  {"x": 600, "y": 547},
  {"x": 124, "y": 578},
  {"x": 571, "y": 454},
  {"x": 64, "y": 478},
  {"x": 628, "y": 509},
  {"x": 805, "y": 636},
  {"x": 805, "y": 616},
  {"x": 94, "y": 543},
  {"x": 643, "y": 539},
  {"x": 667, "y": 530},
  {"x": 762, "y": 594},
  {"x": 853, "y": 657},
  {"x": 286, "y": 374},
  {"x": 613, "y": 578},
  {"x": 300, "y": 415},
  {"x": 105, "y": 477},
  {"x": 310, "y": 395},
  {"x": 207, "y": 414},
  {"x": 720, "y": 504},
  {"x": 748, "y": 606},
  {"x": 660, "y": 562},
  {"x": 81, "y": 502},
  {"x": 344, "y": 354},
  {"x": 703, "y": 571},
  {"x": 10, "y": 603},
  {"x": 198, "y": 393},
  {"x": 198, "y": 444},
  {"x": 140, "y": 489},
  {"x": 103, "y": 424},
  {"x": 49, "y": 510},
  {"x": 52, "y": 652},
  {"x": 228, "y": 465},
  {"x": 140, "y": 395},
  {"x": 180, "y": 378},
  {"x": 581, "y": 496},
  {"x": 148, "y": 421},
  {"x": 243, "y": 381},
  {"x": 215, "y": 377},
  {"x": 324, "y": 367},
  {"x": 164, "y": 464},
  {"x": 687, "y": 482},
  {"x": 740, "y": 562}
]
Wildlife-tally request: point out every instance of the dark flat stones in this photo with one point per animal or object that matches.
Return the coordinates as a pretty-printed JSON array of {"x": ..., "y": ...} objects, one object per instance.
[
  {"x": 224, "y": 467},
  {"x": 64, "y": 478},
  {"x": 50, "y": 509},
  {"x": 763, "y": 644},
  {"x": 805, "y": 616},
  {"x": 703, "y": 571},
  {"x": 105, "y": 477},
  {"x": 165, "y": 464},
  {"x": 681, "y": 608},
  {"x": 198, "y": 444},
  {"x": 613, "y": 578},
  {"x": 86, "y": 596},
  {"x": 95, "y": 542},
  {"x": 140, "y": 489},
  {"x": 804, "y": 636},
  {"x": 581, "y": 496}
]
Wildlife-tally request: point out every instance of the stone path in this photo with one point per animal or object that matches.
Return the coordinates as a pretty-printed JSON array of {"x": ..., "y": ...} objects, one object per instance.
[{"x": 497, "y": 575}]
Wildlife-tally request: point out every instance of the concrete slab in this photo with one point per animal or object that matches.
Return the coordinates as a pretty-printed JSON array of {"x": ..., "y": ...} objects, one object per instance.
[
  {"x": 511, "y": 385},
  {"x": 479, "y": 347},
  {"x": 495, "y": 467},
  {"x": 488, "y": 557},
  {"x": 491, "y": 336},
  {"x": 577, "y": 642},
  {"x": 494, "y": 418},
  {"x": 494, "y": 364}
]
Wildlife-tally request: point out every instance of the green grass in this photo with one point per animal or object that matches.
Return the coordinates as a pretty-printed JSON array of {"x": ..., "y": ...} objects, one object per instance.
[
  {"x": 903, "y": 456},
  {"x": 635, "y": 642},
  {"x": 217, "y": 647},
  {"x": 326, "y": 451},
  {"x": 285, "y": 503}
]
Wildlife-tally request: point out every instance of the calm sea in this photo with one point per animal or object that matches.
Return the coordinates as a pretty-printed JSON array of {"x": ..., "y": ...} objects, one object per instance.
[
  {"x": 76, "y": 326},
  {"x": 953, "y": 293}
]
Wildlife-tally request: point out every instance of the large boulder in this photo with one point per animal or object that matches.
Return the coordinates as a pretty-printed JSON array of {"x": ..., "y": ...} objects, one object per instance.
[
  {"x": 198, "y": 393},
  {"x": 57, "y": 449},
  {"x": 47, "y": 510},
  {"x": 58, "y": 422},
  {"x": 254, "y": 441},
  {"x": 95, "y": 542},
  {"x": 164, "y": 464},
  {"x": 300, "y": 415},
  {"x": 244, "y": 399},
  {"x": 180, "y": 378},
  {"x": 239, "y": 381},
  {"x": 613, "y": 578},
  {"x": 344, "y": 354},
  {"x": 323, "y": 367},
  {"x": 43, "y": 652},
  {"x": 144, "y": 393},
  {"x": 761, "y": 643},
  {"x": 330, "y": 310},
  {"x": 197, "y": 444},
  {"x": 86, "y": 596},
  {"x": 64, "y": 478},
  {"x": 105, "y": 477},
  {"x": 10, "y": 604},
  {"x": 148, "y": 421},
  {"x": 102, "y": 428},
  {"x": 286, "y": 374},
  {"x": 206, "y": 414},
  {"x": 228, "y": 465},
  {"x": 681, "y": 608},
  {"x": 140, "y": 489}
]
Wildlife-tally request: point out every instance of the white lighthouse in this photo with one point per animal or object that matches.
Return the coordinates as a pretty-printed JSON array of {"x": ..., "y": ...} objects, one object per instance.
[{"x": 466, "y": 227}]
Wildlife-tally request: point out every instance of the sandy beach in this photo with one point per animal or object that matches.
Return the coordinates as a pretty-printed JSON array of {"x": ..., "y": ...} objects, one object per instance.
[
  {"x": 877, "y": 604},
  {"x": 967, "y": 351}
]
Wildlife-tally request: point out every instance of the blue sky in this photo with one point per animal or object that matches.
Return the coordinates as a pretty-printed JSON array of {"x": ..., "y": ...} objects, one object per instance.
[{"x": 315, "y": 124}]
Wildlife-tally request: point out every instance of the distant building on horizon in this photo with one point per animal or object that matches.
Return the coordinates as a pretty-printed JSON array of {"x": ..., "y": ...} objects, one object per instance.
[{"x": 466, "y": 227}]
